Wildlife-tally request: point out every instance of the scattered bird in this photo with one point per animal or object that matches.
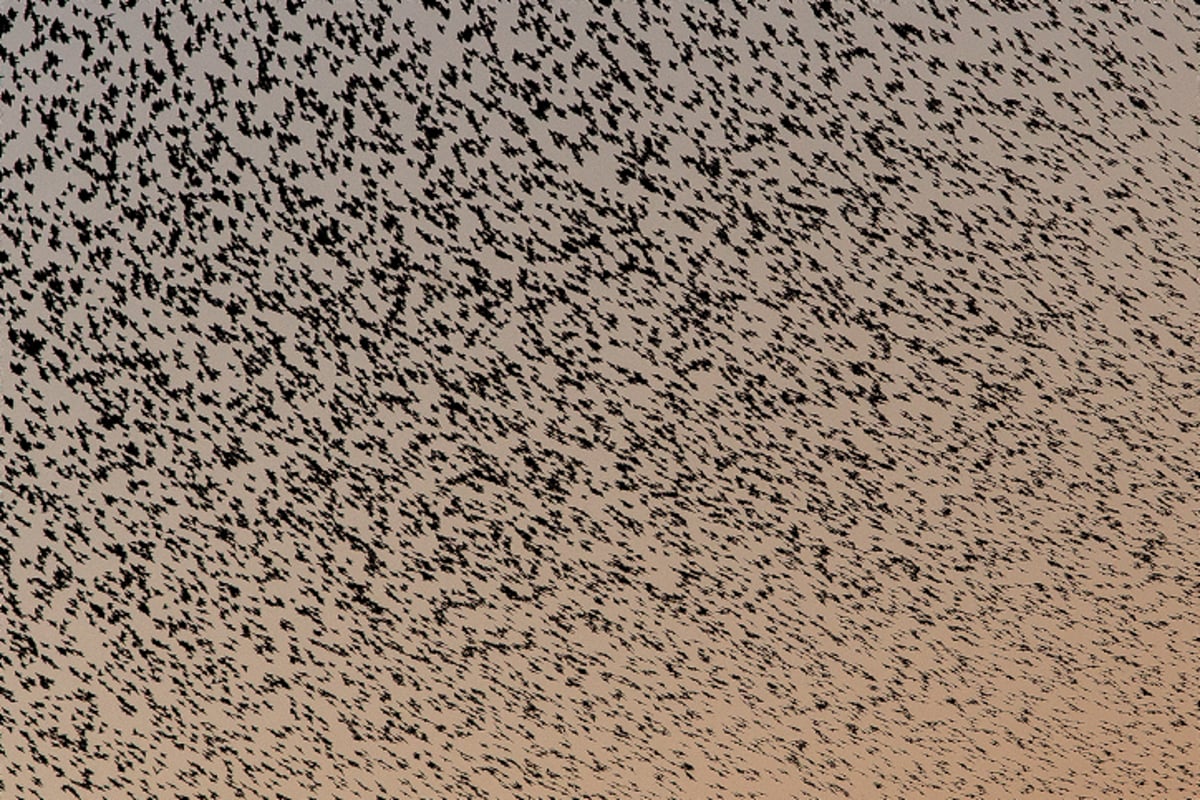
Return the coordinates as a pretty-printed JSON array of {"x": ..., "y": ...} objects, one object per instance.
[{"x": 598, "y": 400}]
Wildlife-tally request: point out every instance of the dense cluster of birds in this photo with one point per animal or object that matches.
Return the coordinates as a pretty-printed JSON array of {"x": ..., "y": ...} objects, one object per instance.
[{"x": 599, "y": 399}]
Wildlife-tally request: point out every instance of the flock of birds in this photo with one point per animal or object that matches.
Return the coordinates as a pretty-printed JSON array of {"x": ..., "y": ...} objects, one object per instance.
[{"x": 599, "y": 399}]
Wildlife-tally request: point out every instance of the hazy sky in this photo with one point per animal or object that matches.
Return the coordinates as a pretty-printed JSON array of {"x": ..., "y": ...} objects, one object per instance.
[{"x": 599, "y": 400}]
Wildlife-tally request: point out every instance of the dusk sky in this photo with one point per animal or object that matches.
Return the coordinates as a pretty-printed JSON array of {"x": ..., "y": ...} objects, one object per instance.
[{"x": 599, "y": 399}]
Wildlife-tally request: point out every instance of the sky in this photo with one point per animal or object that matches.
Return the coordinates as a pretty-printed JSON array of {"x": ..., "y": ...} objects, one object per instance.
[{"x": 599, "y": 400}]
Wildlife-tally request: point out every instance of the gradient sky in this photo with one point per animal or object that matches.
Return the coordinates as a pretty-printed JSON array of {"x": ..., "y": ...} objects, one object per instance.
[{"x": 599, "y": 400}]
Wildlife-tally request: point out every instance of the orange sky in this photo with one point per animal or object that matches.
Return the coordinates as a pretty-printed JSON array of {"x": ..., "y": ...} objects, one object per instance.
[{"x": 599, "y": 400}]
